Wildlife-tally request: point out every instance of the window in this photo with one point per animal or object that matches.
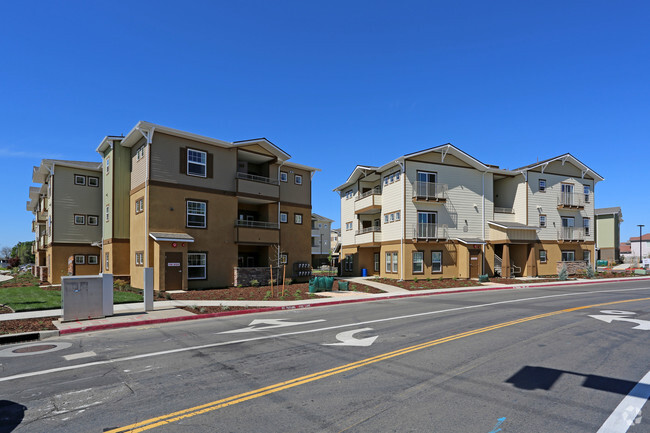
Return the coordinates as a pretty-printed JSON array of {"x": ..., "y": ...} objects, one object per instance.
[
  {"x": 348, "y": 263},
  {"x": 392, "y": 217},
  {"x": 93, "y": 220},
  {"x": 348, "y": 226},
  {"x": 386, "y": 180},
  {"x": 284, "y": 258},
  {"x": 284, "y": 217},
  {"x": 283, "y": 176},
  {"x": 418, "y": 262},
  {"x": 106, "y": 267},
  {"x": 196, "y": 163},
  {"x": 586, "y": 256},
  {"x": 587, "y": 191},
  {"x": 436, "y": 261},
  {"x": 395, "y": 262},
  {"x": 297, "y": 218},
  {"x": 542, "y": 185},
  {"x": 376, "y": 262},
  {"x": 139, "y": 205},
  {"x": 79, "y": 259},
  {"x": 108, "y": 164},
  {"x": 585, "y": 224},
  {"x": 568, "y": 256},
  {"x": 196, "y": 269},
  {"x": 140, "y": 153},
  {"x": 297, "y": 179},
  {"x": 397, "y": 216},
  {"x": 386, "y": 219},
  {"x": 79, "y": 179},
  {"x": 542, "y": 220},
  {"x": 389, "y": 266},
  {"x": 139, "y": 258},
  {"x": 542, "y": 256},
  {"x": 108, "y": 212},
  {"x": 79, "y": 220},
  {"x": 93, "y": 181},
  {"x": 93, "y": 259},
  {"x": 196, "y": 211},
  {"x": 348, "y": 194}
]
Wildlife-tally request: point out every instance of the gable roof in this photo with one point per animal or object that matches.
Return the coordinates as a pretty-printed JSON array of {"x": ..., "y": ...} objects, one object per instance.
[
  {"x": 608, "y": 211},
  {"x": 564, "y": 158}
]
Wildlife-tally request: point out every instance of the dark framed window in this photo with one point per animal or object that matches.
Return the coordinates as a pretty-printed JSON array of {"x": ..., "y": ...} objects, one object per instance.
[
  {"x": 297, "y": 178},
  {"x": 79, "y": 220},
  {"x": 568, "y": 256},
  {"x": 542, "y": 185},
  {"x": 196, "y": 266},
  {"x": 93, "y": 259},
  {"x": 284, "y": 217},
  {"x": 297, "y": 218},
  {"x": 197, "y": 163},
  {"x": 93, "y": 181},
  {"x": 139, "y": 258},
  {"x": 93, "y": 220},
  {"x": 196, "y": 214},
  {"x": 436, "y": 261},
  {"x": 79, "y": 179},
  {"x": 79, "y": 259},
  {"x": 542, "y": 220},
  {"x": 284, "y": 176},
  {"x": 542, "y": 256}
]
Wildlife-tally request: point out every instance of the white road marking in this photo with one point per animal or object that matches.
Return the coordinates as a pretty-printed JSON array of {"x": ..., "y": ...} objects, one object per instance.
[
  {"x": 346, "y": 338},
  {"x": 643, "y": 325},
  {"x": 271, "y": 323},
  {"x": 79, "y": 355},
  {"x": 266, "y": 337},
  {"x": 627, "y": 411}
]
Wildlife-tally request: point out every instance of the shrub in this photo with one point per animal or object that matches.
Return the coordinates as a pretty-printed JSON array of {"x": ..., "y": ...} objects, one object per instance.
[
  {"x": 255, "y": 283},
  {"x": 428, "y": 279},
  {"x": 288, "y": 281},
  {"x": 590, "y": 272},
  {"x": 268, "y": 295},
  {"x": 353, "y": 287},
  {"x": 168, "y": 296},
  {"x": 225, "y": 308},
  {"x": 415, "y": 279},
  {"x": 564, "y": 274}
]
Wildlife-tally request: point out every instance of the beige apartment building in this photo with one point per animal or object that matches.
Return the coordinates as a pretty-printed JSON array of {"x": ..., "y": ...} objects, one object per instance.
[
  {"x": 67, "y": 209},
  {"x": 442, "y": 213},
  {"x": 202, "y": 212}
]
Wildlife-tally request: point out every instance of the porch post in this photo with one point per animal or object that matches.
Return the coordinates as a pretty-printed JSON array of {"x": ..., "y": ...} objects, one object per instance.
[
  {"x": 531, "y": 264},
  {"x": 505, "y": 263}
]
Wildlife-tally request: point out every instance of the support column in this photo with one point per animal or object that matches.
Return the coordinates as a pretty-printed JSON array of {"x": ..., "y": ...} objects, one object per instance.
[
  {"x": 505, "y": 262},
  {"x": 531, "y": 264}
]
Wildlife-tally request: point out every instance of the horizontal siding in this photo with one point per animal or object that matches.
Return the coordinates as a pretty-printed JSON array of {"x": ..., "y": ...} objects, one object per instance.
[
  {"x": 347, "y": 215},
  {"x": 391, "y": 201}
]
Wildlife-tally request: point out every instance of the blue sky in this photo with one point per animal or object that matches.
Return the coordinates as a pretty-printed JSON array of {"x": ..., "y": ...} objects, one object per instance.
[{"x": 333, "y": 83}]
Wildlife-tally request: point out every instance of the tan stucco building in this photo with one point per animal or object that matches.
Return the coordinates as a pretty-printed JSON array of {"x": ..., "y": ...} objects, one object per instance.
[
  {"x": 442, "y": 213},
  {"x": 608, "y": 233}
]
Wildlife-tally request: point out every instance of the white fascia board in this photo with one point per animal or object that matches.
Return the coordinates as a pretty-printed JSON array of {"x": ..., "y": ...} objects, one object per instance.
[
  {"x": 568, "y": 157},
  {"x": 106, "y": 143},
  {"x": 134, "y": 135},
  {"x": 301, "y": 167},
  {"x": 266, "y": 144},
  {"x": 354, "y": 175}
]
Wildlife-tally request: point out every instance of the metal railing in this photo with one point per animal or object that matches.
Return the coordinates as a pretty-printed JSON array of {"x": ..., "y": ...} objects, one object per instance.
[
  {"x": 429, "y": 231},
  {"x": 368, "y": 230},
  {"x": 256, "y": 178},
  {"x": 573, "y": 199},
  {"x": 503, "y": 210},
  {"x": 571, "y": 234},
  {"x": 375, "y": 191},
  {"x": 429, "y": 190},
  {"x": 257, "y": 224}
]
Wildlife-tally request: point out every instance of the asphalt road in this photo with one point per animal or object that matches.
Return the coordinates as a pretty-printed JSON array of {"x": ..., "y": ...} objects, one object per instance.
[{"x": 524, "y": 360}]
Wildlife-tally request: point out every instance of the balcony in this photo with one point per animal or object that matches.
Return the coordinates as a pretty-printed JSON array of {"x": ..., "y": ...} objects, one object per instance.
[
  {"x": 257, "y": 232},
  {"x": 369, "y": 202},
  {"x": 571, "y": 234},
  {"x": 368, "y": 235},
  {"x": 430, "y": 231},
  {"x": 42, "y": 242},
  {"x": 504, "y": 214},
  {"x": 570, "y": 200},
  {"x": 252, "y": 185},
  {"x": 429, "y": 191}
]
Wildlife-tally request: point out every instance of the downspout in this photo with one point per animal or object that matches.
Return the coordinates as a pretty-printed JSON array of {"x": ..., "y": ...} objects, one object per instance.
[
  {"x": 483, "y": 223},
  {"x": 148, "y": 137},
  {"x": 401, "y": 241}
]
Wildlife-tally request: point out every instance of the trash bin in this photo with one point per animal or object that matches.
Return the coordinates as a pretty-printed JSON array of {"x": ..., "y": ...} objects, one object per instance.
[
  {"x": 364, "y": 272},
  {"x": 343, "y": 286}
]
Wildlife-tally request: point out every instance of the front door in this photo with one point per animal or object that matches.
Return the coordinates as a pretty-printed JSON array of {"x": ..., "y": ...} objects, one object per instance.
[
  {"x": 474, "y": 263},
  {"x": 173, "y": 271}
]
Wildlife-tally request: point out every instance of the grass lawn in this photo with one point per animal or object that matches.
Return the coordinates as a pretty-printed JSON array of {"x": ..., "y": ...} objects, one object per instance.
[{"x": 35, "y": 298}]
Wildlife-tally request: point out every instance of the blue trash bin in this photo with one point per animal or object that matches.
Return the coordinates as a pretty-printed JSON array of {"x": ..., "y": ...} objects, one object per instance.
[{"x": 364, "y": 272}]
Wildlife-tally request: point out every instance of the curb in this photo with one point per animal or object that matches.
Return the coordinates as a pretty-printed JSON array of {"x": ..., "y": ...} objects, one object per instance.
[{"x": 31, "y": 336}]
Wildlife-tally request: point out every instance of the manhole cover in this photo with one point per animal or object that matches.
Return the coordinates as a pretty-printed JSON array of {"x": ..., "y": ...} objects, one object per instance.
[{"x": 30, "y": 349}]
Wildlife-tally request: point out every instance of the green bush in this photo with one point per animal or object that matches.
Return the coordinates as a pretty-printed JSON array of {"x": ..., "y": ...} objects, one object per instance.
[
  {"x": 564, "y": 274},
  {"x": 255, "y": 283},
  {"x": 590, "y": 272},
  {"x": 288, "y": 281},
  {"x": 268, "y": 295}
]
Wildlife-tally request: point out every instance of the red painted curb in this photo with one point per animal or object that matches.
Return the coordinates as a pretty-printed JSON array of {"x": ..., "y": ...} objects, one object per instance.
[{"x": 323, "y": 304}]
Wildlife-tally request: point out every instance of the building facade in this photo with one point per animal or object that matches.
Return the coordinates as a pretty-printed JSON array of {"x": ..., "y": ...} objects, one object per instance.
[
  {"x": 320, "y": 240},
  {"x": 67, "y": 213},
  {"x": 442, "y": 213},
  {"x": 608, "y": 234}
]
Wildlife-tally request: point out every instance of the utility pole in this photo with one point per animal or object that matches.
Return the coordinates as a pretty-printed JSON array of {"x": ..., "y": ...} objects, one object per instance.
[{"x": 640, "y": 243}]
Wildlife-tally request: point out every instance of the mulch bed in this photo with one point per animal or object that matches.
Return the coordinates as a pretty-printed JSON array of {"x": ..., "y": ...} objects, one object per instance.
[
  {"x": 211, "y": 310},
  {"x": 429, "y": 284},
  {"x": 27, "y": 325},
  {"x": 514, "y": 281},
  {"x": 21, "y": 280}
]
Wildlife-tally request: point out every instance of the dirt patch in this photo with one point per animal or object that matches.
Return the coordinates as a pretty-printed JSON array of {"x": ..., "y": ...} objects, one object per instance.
[
  {"x": 24, "y": 279},
  {"x": 211, "y": 310},
  {"x": 27, "y": 325},
  {"x": 428, "y": 284},
  {"x": 516, "y": 282}
]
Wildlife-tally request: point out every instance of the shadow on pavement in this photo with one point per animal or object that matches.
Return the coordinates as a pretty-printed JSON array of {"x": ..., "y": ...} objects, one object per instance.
[{"x": 11, "y": 415}]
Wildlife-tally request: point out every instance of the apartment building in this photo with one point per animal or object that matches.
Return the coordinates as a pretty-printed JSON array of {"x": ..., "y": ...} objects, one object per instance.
[
  {"x": 202, "y": 212},
  {"x": 608, "y": 233},
  {"x": 320, "y": 240},
  {"x": 442, "y": 213},
  {"x": 67, "y": 208}
]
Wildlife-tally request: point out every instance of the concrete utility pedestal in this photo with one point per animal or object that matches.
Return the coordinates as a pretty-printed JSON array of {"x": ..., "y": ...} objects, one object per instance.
[{"x": 84, "y": 297}]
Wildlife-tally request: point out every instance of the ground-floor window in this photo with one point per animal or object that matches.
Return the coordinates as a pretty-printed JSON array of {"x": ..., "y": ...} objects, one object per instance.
[
  {"x": 389, "y": 265},
  {"x": 586, "y": 256},
  {"x": 196, "y": 269},
  {"x": 79, "y": 259},
  {"x": 395, "y": 262},
  {"x": 436, "y": 261},
  {"x": 418, "y": 262},
  {"x": 93, "y": 259},
  {"x": 139, "y": 258},
  {"x": 542, "y": 256},
  {"x": 348, "y": 263},
  {"x": 568, "y": 256},
  {"x": 376, "y": 261}
]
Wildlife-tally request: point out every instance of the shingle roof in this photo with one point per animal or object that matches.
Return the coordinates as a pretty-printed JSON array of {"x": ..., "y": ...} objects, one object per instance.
[
  {"x": 645, "y": 237},
  {"x": 607, "y": 210}
]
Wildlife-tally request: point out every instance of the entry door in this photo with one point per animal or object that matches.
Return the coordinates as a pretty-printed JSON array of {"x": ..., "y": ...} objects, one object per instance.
[
  {"x": 173, "y": 271},
  {"x": 474, "y": 263},
  {"x": 567, "y": 228},
  {"x": 567, "y": 194}
]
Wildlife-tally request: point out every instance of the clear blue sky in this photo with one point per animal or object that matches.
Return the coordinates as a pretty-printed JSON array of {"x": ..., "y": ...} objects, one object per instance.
[{"x": 334, "y": 84}]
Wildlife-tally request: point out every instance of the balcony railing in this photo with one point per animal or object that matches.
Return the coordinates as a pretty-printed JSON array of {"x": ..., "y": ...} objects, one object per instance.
[
  {"x": 256, "y": 178},
  {"x": 573, "y": 200},
  {"x": 372, "y": 229},
  {"x": 571, "y": 234},
  {"x": 375, "y": 191},
  {"x": 430, "y": 191},
  {"x": 430, "y": 231},
  {"x": 257, "y": 224},
  {"x": 503, "y": 210}
]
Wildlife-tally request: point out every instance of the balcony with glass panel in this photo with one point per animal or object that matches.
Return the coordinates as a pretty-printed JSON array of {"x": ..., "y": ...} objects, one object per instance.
[{"x": 430, "y": 191}]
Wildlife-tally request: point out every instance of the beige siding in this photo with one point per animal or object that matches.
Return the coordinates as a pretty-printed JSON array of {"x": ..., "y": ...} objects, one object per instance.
[
  {"x": 392, "y": 201},
  {"x": 519, "y": 205},
  {"x": 70, "y": 199},
  {"x": 107, "y": 185},
  {"x": 347, "y": 215},
  {"x": 139, "y": 167}
]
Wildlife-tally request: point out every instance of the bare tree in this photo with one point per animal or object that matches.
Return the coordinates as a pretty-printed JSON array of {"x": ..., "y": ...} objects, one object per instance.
[{"x": 5, "y": 252}]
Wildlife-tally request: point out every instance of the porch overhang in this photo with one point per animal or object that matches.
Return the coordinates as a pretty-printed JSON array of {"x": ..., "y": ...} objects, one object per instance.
[
  {"x": 470, "y": 241},
  {"x": 171, "y": 237}
]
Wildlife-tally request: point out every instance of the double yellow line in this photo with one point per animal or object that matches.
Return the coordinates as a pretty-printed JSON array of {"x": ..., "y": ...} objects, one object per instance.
[{"x": 260, "y": 392}]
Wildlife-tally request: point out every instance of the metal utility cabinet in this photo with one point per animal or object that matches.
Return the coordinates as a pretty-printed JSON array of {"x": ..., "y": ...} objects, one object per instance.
[{"x": 86, "y": 297}]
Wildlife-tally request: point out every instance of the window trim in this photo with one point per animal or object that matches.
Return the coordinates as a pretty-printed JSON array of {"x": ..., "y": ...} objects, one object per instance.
[
  {"x": 79, "y": 259},
  {"x": 107, "y": 262},
  {"x": 296, "y": 217},
  {"x": 389, "y": 261},
  {"x": 187, "y": 214},
  {"x": 91, "y": 256},
  {"x": 545, "y": 258},
  {"x": 82, "y": 178},
  {"x": 433, "y": 271},
  {"x": 284, "y": 258},
  {"x": 139, "y": 258},
  {"x": 204, "y": 164},
  {"x": 541, "y": 188},
  {"x": 297, "y": 179},
  {"x": 540, "y": 220},
  {"x": 83, "y": 219},
  {"x": 413, "y": 263},
  {"x": 139, "y": 202},
  {"x": 88, "y": 217},
  {"x": 286, "y": 217},
  {"x": 568, "y": 251},
  {"x": 395, "y": 262},
  {"x": 376, "y": 259},
  {"x": 586, "y": 227},
  {"x": 284, "y": 176},
  {"x": 204, "y": 266},
  {"x": 108, "y": 213},
  {"x": 108, "y": 165},
  {"x": 89, "y": 178}
]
